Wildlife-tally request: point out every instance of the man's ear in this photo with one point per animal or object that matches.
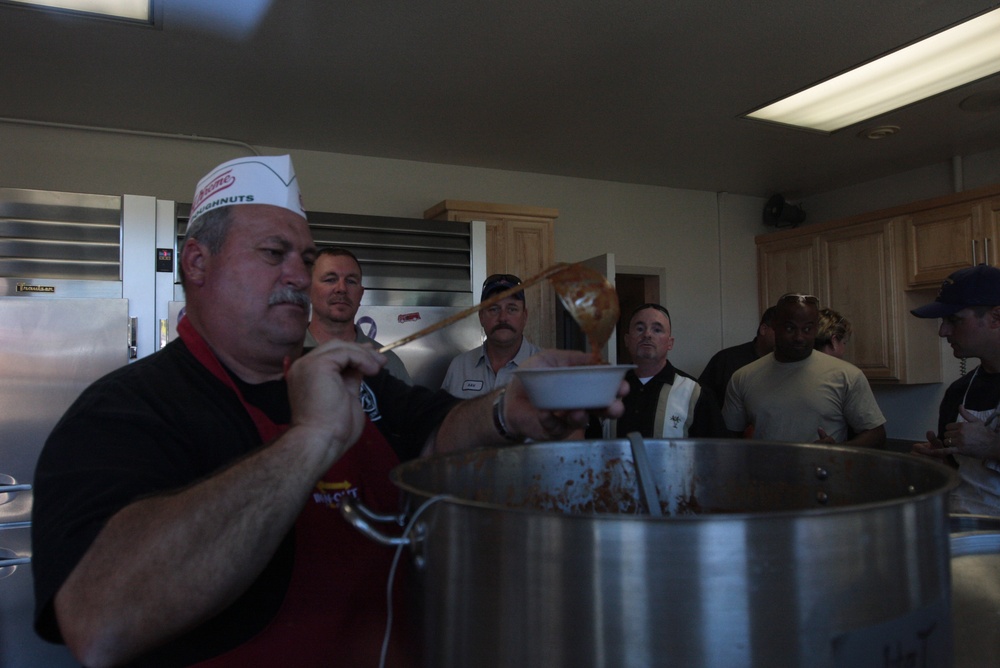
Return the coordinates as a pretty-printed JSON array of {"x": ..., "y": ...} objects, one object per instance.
[{"x": 194, "y": 257}]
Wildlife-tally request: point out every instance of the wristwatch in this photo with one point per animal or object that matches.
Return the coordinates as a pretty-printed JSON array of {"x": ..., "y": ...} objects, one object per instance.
[{"x": 498, "y": 420}]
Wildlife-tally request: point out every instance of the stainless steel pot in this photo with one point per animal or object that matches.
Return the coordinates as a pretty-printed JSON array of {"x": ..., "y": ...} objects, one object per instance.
[
  {"x": 975, "y": 589},
  {"x": 769, "y": 554}
]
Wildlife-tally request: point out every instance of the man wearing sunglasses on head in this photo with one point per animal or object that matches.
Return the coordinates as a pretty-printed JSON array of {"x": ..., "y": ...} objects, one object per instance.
[
  {"x": 480, "y": 370},
  {"x": 798, "y": 395}
]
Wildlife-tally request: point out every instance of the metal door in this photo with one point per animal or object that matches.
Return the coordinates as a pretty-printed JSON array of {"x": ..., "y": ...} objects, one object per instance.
[{"x": 50, "y": 350}]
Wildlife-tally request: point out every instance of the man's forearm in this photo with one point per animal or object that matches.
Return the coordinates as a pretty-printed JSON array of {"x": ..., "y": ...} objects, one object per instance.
[
  {"x": 469, "y": 425},
  {"x": 166, "y": 563}
]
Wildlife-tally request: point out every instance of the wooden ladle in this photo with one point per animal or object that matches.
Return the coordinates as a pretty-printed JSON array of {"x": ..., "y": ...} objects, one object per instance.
[
  {"x": 591, "y": 300},
  {"x": 586, "y": 294}
]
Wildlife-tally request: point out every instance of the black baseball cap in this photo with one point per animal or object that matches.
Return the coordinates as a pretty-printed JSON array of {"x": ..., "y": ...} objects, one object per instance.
[
  {"x": 500, "y": 282},
  {"x": 972, "y": 286}
]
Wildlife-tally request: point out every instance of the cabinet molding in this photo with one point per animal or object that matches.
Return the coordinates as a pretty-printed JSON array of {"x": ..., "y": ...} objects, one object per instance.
[{"x": 460, "y": 208}]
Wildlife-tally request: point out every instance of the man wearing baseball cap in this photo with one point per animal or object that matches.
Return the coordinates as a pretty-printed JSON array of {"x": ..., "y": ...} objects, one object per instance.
[
  {"x": 186, "y": 507},
  {"x": 481, "y": 370},
  {"x": 968, "y": 422}
]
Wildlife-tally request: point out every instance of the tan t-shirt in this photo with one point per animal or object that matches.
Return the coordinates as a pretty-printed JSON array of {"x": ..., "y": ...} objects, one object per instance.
[{"x": 791, "y": 401}]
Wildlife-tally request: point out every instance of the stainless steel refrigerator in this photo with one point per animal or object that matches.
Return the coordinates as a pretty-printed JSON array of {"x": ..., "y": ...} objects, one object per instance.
[
  {"x": 75, "y": 303},
  {"x": 50, "y": 349}
]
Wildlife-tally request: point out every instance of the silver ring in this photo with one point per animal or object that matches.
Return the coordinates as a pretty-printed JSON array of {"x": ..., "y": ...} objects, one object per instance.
[{"x": 947, "y": 441}]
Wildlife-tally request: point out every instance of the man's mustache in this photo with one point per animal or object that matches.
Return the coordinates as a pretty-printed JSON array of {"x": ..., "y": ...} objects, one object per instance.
[
  {"x": 502, "y": 326},
  {"x": 288, "y": 295}
]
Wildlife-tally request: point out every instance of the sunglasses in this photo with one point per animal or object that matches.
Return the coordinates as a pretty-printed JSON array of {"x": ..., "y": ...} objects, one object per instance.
[
  {"x": 502, "y": 278},
  {"x": 796, "y": 297}
]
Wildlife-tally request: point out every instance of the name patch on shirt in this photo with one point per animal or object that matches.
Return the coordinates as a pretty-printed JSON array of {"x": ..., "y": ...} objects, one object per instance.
[{"x": 472, "y": 386}]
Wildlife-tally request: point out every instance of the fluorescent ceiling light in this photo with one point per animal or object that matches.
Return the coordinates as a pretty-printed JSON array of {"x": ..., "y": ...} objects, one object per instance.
[
  {"x": 134, "y": 10},
  {"x": 949, "y": 59}
]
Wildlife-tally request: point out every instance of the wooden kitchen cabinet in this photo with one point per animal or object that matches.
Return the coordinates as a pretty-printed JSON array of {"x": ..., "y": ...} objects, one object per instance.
[
  {"x": 788, "y": 265},
  {"x": 858, "y": 270},
  {"x": 945, "y": 238},
  {"x": 520, "y": 240},
  {"x": 990, "y": 212}
]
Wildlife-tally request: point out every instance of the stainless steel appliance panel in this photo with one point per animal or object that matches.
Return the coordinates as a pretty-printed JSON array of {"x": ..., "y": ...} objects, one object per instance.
[
  {"x": 47, "y": 234},
  {"x": 427, "y": 358},
  {"x": 50, "y": 350},
  {"x": 19, "y": 646}
]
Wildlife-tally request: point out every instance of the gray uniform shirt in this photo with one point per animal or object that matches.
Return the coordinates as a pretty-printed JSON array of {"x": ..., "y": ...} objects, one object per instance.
[{"x": 471, "y": 375}]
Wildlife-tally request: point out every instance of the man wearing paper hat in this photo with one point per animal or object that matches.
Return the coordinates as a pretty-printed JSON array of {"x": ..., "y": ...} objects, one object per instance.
[
  {"x": 481, "y": 370},
  {"x": 186, "y": 506},
  {"x": 968, "y": 421}
]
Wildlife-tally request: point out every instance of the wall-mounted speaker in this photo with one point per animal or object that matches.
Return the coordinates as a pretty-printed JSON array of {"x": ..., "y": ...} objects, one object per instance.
[{"x": 779, "y": 213}]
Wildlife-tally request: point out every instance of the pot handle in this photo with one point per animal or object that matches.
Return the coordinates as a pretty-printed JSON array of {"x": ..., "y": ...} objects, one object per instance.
[{"x": 361, "y": 518}]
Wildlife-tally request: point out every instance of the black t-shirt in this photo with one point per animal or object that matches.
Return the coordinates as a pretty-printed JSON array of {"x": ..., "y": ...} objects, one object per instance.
[
  {"x": 161, "y": 424},
  {"x": 723, "y": 365}
]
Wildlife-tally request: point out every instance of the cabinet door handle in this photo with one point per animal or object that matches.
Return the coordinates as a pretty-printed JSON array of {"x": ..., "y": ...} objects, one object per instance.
[{"x": 133, "y": 327}]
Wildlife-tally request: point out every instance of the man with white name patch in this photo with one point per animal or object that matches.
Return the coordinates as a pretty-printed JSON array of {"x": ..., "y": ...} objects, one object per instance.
[{"x": 481, "y": 370}]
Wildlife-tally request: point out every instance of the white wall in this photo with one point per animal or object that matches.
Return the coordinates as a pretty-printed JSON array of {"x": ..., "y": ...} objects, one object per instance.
[{"x": 961, "y": 173}]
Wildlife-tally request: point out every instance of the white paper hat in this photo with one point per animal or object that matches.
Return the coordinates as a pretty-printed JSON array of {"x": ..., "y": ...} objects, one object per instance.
[{"x": 253, "y": 180}]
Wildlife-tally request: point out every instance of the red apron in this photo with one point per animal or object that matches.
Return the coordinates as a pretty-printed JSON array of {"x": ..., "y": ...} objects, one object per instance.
[{"x": 334, "y": 612}]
